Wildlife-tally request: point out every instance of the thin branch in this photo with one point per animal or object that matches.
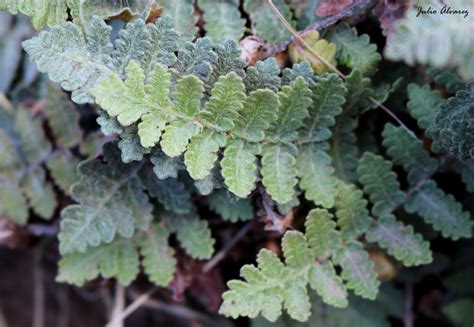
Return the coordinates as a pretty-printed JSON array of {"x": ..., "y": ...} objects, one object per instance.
[
  {"x": 326, "y": 22},
  {"x": 181, "y": 311},
  {"x": 408, "y": 310},
  {"x": 219, "y": 256},
  {"x": 132, "y": 307},
  {"x": 119, "y": 305},
  {"x": 320, "y": 58},
  {"x": 38, "y": 291}
]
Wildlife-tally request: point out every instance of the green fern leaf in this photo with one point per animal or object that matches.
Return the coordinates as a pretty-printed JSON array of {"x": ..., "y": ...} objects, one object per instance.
[
  {"x": 302, "y": 69},
  {"x": 201, "y": 154},
  {"x": 9, "y": 154},
  {"x": 344, "y": 150},
  {"x": 184, "y": 18},
  {"x": 62, "y": 166},
  {"x": 118, "y": 259},
  {"x": 171, "y": 193},
  {"x": 380, "y": 183},
  {"x": 400, "y": 241},
  {"x": 316, "y": 174},
  {"x": 111, "y": 201},
  {"x": 13, "y": 204},
  {"x": 296, "y": 249},
  {"x": 34, "y": 144},
  {"x": 408, "y": 152},
  {"x": 324, "y": 280},
  {"x": 228, "y": 60},
  {"x": 130, "y": 146},
  {"x": 39, "y": 193},
  {"x": 132, "y": 44},
  {"x": 65, "y": 55},
  {"x": 265, "y": 289},
  {"x": 423, "y": 104},
  {"x": 279, "y": 171},
  {"x": 229, "y": 207},
  {"x": 226, "y": 101},
  {"x": 354, "y": 51},
  {"x": 42, "y": 12},
  {"x": 195, "y": 59},
  {"x": 194, "y": 235},
  {"x": 265, "y": 22},
  {"x": 62, "y": 117},
  {"x": 358, "y": 270},
  {"x": 264, "y": 75},
  {"x": 261, "y": 292},
  {"x": 467, "y": 176},
  {"x": 165, "y": 167},
  {"x": 187, "y": 97},
  {"x": 163, "y": 43},
  {"x": 222, "y": 19},
  {"x": 440, "y": 210},
  {"x": 295, "y": 100},
  {"x": 117, "y": 96},
  {"x": 328, "y": 97},
  {"x": 351, "y": 211},
  {"x": 239, "y": 168},
  {"x": 158, "y": 257},
  {"x": 446, "y": 77},
  {"x": 323, "y": 238},
  {"x": 257, "y": 115}
]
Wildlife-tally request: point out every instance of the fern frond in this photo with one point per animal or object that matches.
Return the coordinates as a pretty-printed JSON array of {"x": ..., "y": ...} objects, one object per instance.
[
  {"x": 357, "y": 270},
  {"x": 328, "y": 98},
  {"x": 409, "y": 153},
  {"x": 62, "y": 166},
  {"x": 440, "y": 210},
  {"x": 264, "y": 21},
  {"x": 423, "y": 105},
  {"x": 193, "y": 234},
  {"x": 120, "y": 259},
  {"x": 380, "y": 183},
  {"x": 171, "y": 193},
  {"x": 33, "y": 141},
  {"x": 158, "y": 257},
  {"x": 271, "y": 285},
  {"x": 324, "y": 280},
  {"x": 39, "y": 193},
  {"x": 351, "y": 211},
  {"x": 13, "y": 204},
  {"x": 264, "y": 75},
  {"x": 230, "y": 208},
  {"x": 354, "y": 51},
  {"x": 316, "y": 174},
  {"x": 62, "y": 117},
  {"x": 222, "y": 19},
  {"x": 111, "y": 201},
  {"x": 400, "y": 241},
  {"x": 184, "y": 18},
  {"x": 321, "y": 233}
]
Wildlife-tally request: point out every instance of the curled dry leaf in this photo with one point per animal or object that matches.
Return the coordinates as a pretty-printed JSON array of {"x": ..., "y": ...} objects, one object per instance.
[{"x": 253, "y": 49}]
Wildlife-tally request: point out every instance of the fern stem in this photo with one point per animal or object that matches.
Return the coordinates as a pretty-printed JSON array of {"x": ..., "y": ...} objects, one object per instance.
[
  {"x": 132, "y": 307},
  {"x": 326, "y": 22},
  {"x": 219, "y": 256}
]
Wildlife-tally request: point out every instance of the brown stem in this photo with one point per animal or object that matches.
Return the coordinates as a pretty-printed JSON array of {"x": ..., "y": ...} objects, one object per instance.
[
  {"x": 219, "y": 256},
  {"x": 326, "y": 22}
]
